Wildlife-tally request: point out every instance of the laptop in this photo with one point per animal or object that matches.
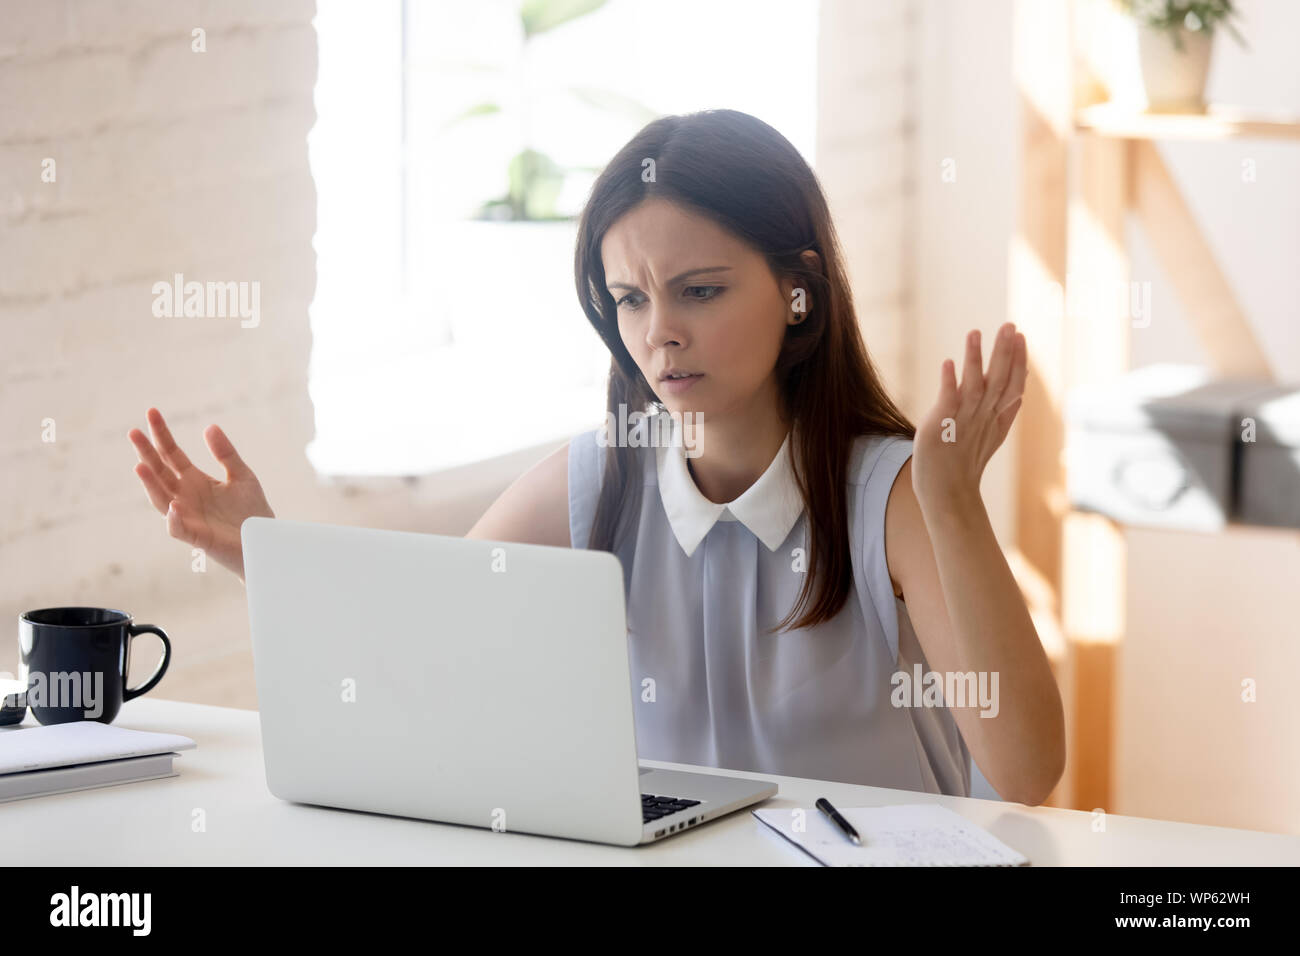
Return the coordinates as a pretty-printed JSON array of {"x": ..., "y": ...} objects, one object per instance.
[{"x": 483, "y": 683}]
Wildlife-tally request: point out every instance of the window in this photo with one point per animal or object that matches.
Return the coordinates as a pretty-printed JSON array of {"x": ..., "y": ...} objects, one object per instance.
[{"x": 446, "y": 328}]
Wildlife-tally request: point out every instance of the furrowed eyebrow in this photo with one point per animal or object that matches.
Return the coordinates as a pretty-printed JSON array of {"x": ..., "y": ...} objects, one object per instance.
[{"x": 673, "y": 281}]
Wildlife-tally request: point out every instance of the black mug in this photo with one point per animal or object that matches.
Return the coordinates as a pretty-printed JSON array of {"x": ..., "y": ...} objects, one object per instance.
[{"x": 74, "y": 661}]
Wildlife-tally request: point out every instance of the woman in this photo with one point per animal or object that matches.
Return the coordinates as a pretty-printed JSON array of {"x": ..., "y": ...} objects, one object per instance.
[{"x": 809, "y": 580}]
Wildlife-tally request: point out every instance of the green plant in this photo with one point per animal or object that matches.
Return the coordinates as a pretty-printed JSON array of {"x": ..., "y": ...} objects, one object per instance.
[
  {"x": 533, "y": 179},
  {"x": 1174, "y": 16}
]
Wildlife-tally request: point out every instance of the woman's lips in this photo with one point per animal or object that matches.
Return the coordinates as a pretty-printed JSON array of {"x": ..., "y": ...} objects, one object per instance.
[{"x": 675, "y": 386}]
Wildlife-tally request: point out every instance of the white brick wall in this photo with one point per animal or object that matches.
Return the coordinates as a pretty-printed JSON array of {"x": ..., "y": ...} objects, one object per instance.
[{"x": 167, "y": 160}]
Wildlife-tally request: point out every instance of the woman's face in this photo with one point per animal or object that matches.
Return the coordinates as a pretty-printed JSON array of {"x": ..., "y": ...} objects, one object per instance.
[{"x": 692, "y": 297}]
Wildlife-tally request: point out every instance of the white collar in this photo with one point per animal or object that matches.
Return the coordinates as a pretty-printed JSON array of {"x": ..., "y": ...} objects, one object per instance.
[{"x": 769, "y": 507}]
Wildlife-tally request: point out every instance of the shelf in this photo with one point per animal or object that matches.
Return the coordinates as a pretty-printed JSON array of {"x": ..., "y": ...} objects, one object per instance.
[{"x": 1219, "y": 122}]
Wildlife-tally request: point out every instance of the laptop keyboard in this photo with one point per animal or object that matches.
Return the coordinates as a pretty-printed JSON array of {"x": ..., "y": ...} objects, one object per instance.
[{"x": 653, "y": 807}]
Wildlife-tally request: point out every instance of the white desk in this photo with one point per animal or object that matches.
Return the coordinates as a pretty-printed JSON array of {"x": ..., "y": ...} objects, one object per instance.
[{"x": 149, "y": 823}]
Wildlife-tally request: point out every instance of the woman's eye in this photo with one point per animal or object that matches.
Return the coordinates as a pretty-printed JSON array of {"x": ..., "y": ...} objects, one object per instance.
[{"x": 712, "y": 290}]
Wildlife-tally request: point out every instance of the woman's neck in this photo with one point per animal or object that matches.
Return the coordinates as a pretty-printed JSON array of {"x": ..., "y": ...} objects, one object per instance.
[{"x": 734, "y": 453}]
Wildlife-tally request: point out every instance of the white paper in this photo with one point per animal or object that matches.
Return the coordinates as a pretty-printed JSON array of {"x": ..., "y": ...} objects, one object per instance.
[
  {"x": 921, "y": 834},
  {"x": 79, "y": 741}
]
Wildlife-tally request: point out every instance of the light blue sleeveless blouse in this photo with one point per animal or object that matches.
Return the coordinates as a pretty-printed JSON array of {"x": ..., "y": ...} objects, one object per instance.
[{"x": 710, "y": 687}]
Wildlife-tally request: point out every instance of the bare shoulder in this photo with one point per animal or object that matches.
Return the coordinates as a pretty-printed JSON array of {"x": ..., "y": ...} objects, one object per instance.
[
  {"x": 534, "y": 509},
  {"x": 906, "y": 539}
]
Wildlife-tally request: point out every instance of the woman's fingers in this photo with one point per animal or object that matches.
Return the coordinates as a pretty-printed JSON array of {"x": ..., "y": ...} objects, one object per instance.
[
  {"x": 1014, "y": 394},
  {"x": 948, "y": 393},
  {"x": 175, "y": 526},
  {"x": 224, "y": 451},
  {"x": 1015, "y": 389},
  {"x": 1000, "y": 366},
  {"x": 148, "y": 456},
  {"x": 1006, "y": 417},
  {"x": 972, "y": 374},
  {"x": 159, "y": 497},
  {"x": 167, "y": 447}
]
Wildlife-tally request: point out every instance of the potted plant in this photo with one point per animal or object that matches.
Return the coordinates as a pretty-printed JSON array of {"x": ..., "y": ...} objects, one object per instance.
[{"x": 1174, "y": 42}]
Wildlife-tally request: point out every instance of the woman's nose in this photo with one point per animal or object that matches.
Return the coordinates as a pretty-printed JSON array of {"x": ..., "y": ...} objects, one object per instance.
[{"x": 664, "y": 327}]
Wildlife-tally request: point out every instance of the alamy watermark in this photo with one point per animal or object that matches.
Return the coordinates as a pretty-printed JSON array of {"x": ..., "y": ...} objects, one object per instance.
[
  {"x": 83, "y": 690},
  {"x": 1085, "y": 298},
  {"x": 129, "y": 910},
  {"x": 946, "y": 689},
  {"x": 664, "y": 429},
  {"x": 208, "y": 300}
]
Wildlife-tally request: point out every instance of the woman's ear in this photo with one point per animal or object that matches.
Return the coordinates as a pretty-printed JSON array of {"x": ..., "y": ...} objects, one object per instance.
[
  {"x": 796, "y": 291},
  {"x": 798, "y": 301}
]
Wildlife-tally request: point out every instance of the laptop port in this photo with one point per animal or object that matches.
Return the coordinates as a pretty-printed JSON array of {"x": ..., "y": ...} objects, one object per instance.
[
  {"x": 691, "y": 821},
  {"x": 659, "y": 833}
]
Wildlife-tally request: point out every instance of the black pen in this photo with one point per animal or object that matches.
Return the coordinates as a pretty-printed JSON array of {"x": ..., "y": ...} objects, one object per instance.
[{"x": 846, "y": 828}]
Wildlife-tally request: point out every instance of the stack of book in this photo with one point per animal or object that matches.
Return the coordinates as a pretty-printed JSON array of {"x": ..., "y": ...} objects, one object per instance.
[{"x": 38, "y": 760}]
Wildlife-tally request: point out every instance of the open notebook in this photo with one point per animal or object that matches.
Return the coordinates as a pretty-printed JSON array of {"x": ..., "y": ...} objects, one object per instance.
[{"x": 920, "y": 834}]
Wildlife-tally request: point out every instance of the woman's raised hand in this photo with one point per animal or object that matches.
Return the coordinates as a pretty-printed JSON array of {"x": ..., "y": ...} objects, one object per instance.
[
  {"x": 200, "y": 510},
  {"x": 968, "y": 421}
]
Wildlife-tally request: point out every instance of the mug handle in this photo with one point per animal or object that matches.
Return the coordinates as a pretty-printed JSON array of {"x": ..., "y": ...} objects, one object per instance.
[{"x": 133, "y": 631}]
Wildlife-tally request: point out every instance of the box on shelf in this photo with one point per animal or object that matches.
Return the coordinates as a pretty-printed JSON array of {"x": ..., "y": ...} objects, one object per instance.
[
  {"x": 1268, "y": 486},
  {"x": 1156, "y": 447}
]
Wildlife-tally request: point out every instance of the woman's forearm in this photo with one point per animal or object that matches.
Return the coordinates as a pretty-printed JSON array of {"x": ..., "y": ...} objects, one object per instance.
[{"x": 1023, "y": 747}]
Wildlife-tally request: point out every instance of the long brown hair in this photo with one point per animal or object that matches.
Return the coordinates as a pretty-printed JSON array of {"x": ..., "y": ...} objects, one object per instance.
[{"x": 747, "y": 177}]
